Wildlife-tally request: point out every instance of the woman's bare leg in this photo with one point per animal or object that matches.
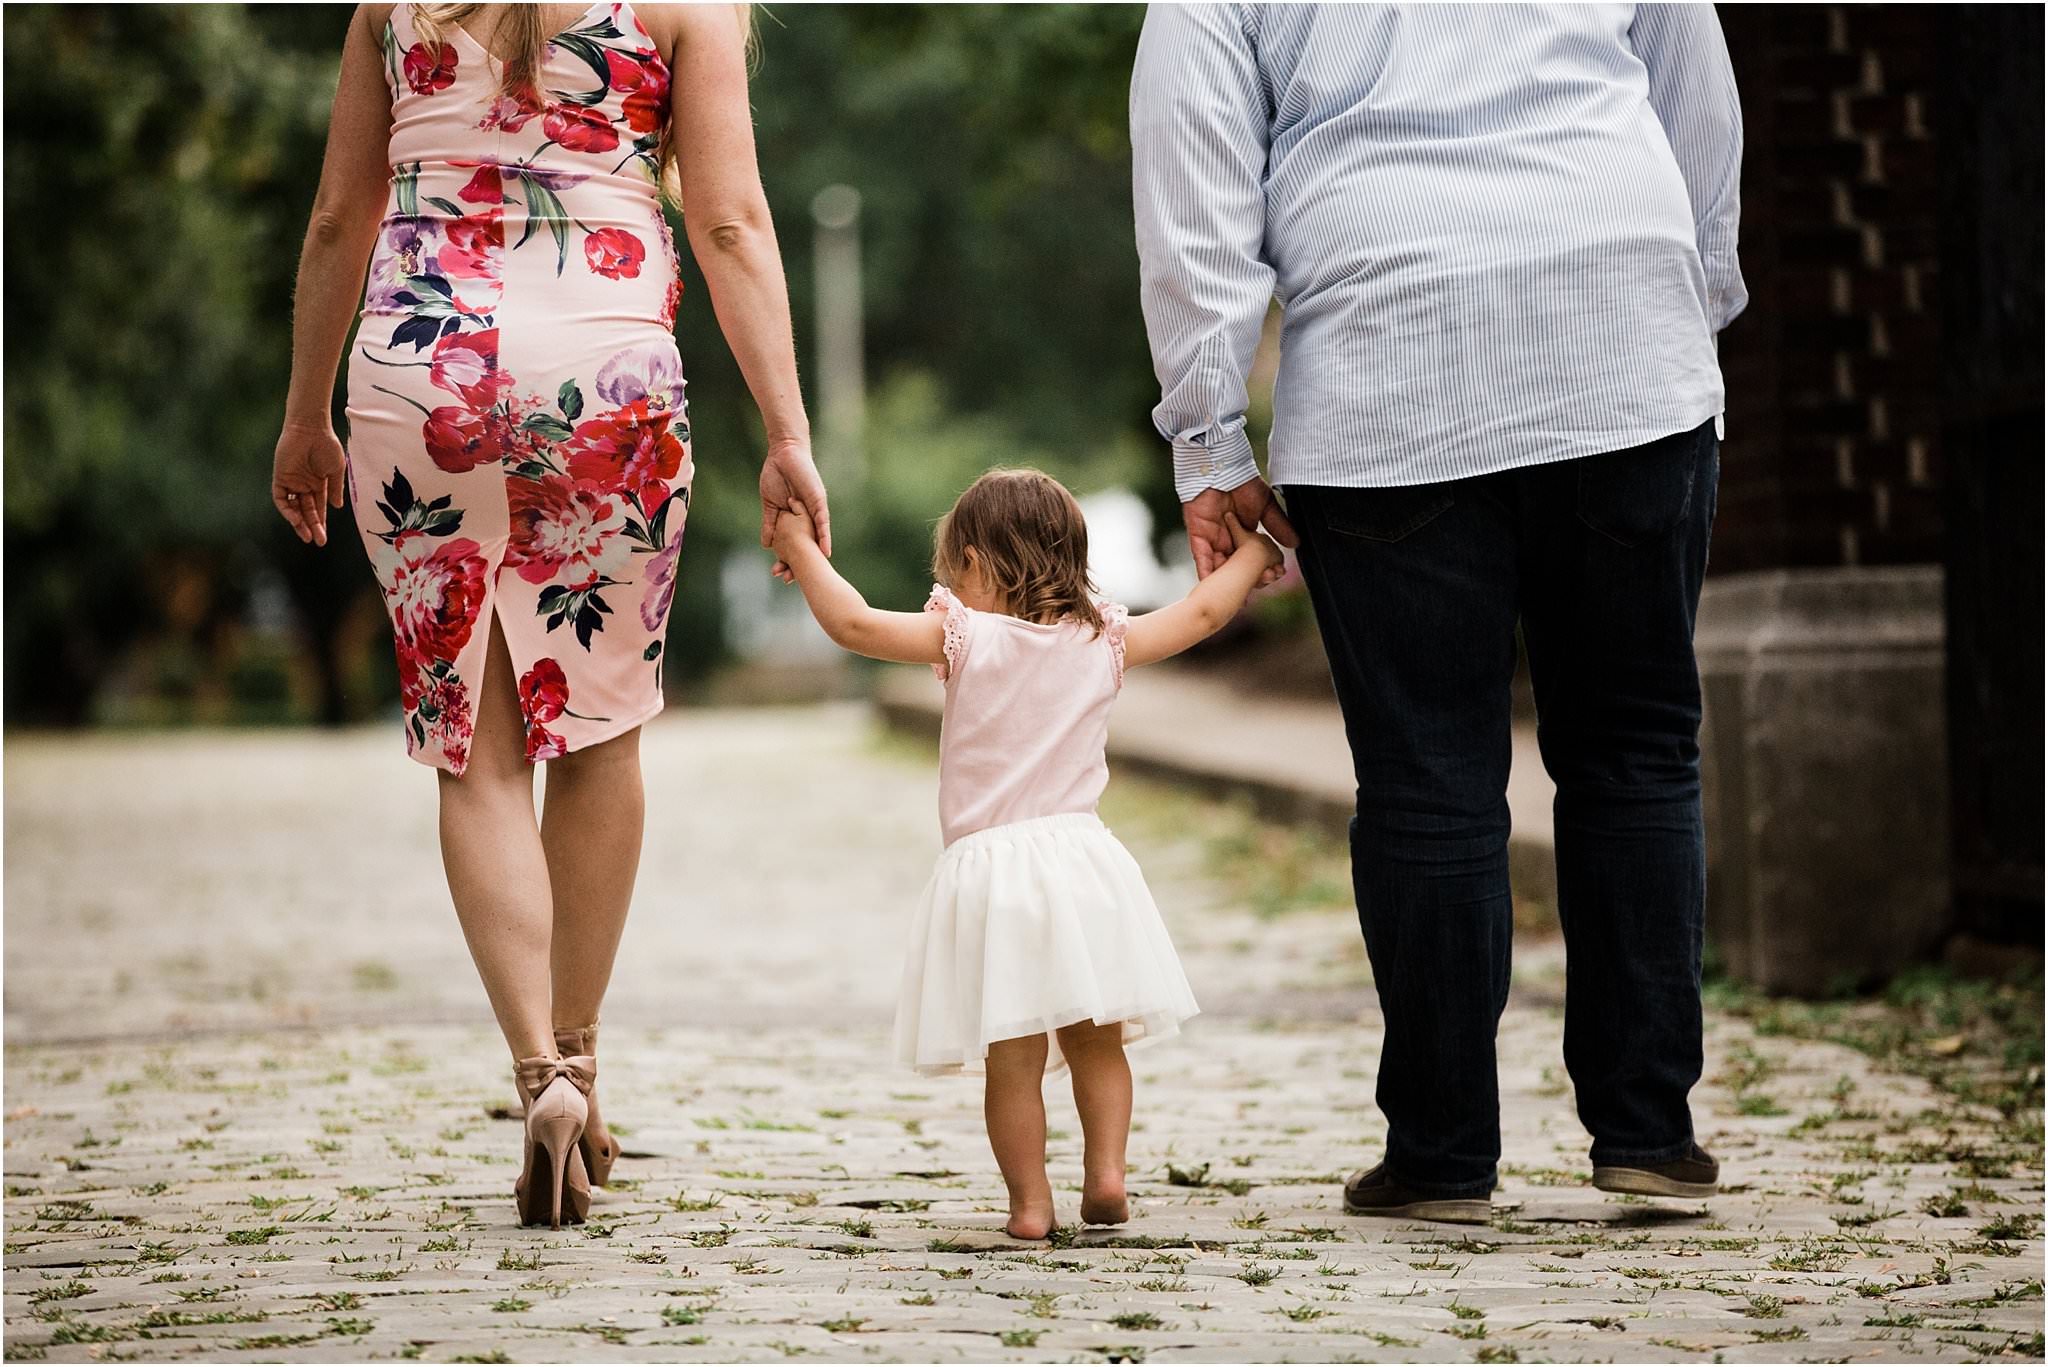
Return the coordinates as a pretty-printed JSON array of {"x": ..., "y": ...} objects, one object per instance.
[
  {"x": 1102, "y": 1094},
  {"x": 591, "y": 829},
  {"x": 1014, "y": 1107},
  {"x": 497, "y": 871}
]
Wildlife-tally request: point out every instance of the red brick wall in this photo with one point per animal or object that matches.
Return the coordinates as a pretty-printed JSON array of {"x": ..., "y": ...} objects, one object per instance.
[{"x": 1832, "y": 456}]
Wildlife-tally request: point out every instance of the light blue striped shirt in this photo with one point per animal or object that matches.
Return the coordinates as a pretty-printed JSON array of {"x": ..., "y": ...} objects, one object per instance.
[{"x": 1500, "y": 234}]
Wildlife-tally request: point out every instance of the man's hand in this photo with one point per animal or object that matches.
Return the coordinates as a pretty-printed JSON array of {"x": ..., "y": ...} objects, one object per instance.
[{"x": 1253, "y": 505}]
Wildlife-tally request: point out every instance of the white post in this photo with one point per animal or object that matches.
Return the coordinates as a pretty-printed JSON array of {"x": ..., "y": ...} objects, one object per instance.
[{"x": 842, "y": 378}]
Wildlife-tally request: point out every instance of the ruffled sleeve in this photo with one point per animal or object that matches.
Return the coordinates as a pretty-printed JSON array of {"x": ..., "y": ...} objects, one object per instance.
[
  {"x": 942, "y": 600},
  {"x": 1116, "y": 619}
]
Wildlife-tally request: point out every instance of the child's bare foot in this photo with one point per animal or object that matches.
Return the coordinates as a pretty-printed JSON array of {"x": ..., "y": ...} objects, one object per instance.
[
  {"x": 1030, "y": 1219},
  {"x": 1102, "y": 1093},
  {"x": 1104, "y": 1203}
]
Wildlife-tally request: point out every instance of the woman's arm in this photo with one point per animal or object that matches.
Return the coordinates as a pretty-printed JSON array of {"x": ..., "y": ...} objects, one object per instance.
[
  {"x": 725, "y": 215},
  {"x": 307, "y": 476},
  {"x": 917, "y": 638},
  {"x": 1209, "y": 606}
]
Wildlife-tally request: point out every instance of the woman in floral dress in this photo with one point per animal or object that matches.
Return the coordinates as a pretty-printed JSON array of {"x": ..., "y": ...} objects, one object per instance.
[{"x": 519, "y": 450}]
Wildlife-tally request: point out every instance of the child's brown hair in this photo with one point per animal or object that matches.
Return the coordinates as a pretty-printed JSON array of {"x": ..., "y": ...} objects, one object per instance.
[{"x": 1030, "y": 541}]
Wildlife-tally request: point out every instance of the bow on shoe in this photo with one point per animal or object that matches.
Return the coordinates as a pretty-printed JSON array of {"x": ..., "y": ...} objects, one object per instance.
[{"x": 537, "y": 1074}]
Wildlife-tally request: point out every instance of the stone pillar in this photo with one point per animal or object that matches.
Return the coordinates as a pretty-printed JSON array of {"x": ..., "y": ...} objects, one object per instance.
[
  {"x": 1822, "y": 629},
  {"x": 1826, "y": 774}
]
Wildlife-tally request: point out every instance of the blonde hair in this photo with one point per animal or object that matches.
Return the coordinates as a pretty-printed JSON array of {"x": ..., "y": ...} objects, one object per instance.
[
  {"x": 521, "y": 25},
  {"x": 1030, "y": 543}
]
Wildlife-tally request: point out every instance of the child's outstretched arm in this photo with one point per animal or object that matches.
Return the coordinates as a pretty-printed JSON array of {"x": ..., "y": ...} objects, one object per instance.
[
  {"x": 917, "y": 638},
  {"x": 1208, "y": 607}
]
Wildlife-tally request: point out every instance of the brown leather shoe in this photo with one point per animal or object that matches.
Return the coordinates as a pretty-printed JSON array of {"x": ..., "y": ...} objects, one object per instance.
[
  {"x": 1372, "y": 1192},
  {"x": 600, "y": 1150},
  {"x": 1694, "y": 1177}
]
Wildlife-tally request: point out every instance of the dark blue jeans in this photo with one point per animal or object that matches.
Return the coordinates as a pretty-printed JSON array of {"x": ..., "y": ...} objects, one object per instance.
[{"x": 1417, "y": 593}]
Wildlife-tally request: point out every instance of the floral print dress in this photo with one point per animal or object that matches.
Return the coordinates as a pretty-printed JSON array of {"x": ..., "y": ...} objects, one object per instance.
[{"x": 518, "y": 441}]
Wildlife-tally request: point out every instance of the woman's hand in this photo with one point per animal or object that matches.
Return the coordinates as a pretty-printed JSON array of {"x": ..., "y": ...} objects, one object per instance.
[
  {"x": 307, "y": 478},
  {"x": 789, "y": 480}
]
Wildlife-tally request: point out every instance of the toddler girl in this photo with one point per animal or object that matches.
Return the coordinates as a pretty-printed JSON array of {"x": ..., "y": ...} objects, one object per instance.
[{"x": 1036, "y": 945}]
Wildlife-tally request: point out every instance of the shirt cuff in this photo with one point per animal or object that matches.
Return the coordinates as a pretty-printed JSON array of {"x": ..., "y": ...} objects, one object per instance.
[
  {"x": 1727, "y": 295},
  {"x": 1225, "y": 465}
]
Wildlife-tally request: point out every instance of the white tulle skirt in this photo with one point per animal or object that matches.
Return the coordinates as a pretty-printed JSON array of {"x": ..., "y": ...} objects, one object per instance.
[{"x": 1029, "y": 927}]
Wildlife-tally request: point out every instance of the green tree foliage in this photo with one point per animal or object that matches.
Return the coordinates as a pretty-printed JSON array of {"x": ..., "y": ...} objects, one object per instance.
[{"x": 161, "y": 160}]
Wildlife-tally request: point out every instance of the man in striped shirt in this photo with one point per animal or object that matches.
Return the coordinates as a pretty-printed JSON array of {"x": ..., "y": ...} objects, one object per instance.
[{"x": 1503, "y": 239}]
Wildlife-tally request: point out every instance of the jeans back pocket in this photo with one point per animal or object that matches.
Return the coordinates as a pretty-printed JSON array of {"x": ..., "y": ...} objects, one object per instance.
[
  {"x": 1383, "y": 514},
  {"x": 1644, "y": 492}
]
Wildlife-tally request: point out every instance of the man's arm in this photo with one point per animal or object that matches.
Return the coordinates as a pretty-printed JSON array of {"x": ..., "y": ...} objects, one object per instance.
[
  {"x": 1692, "y": 89},
  {"x": 1198, "y": 141}
]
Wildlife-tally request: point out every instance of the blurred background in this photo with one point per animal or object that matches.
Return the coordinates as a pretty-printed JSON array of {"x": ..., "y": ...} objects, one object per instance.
[{"x": 951, "y": 185}]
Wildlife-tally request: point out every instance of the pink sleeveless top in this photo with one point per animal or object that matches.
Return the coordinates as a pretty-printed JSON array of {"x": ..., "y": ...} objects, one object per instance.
[{"x": 1027, "y": 715}]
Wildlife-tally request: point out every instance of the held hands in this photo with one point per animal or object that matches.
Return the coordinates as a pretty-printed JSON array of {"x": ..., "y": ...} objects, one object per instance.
[
  {"x": 794, "y": 528},
  {"x": 308, "y": 476},
  {"x": 1270, "y": 556},
  {"x": 789, "y": 481},
  {"x": 796, "y": 534},
  {"x": 1253, "y": 505}
]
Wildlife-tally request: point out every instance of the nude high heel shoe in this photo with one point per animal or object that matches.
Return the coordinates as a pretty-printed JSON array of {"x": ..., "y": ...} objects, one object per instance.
[
  {"x": 600, "y": 1150},
  {"x": 553, "y": 1183}
]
